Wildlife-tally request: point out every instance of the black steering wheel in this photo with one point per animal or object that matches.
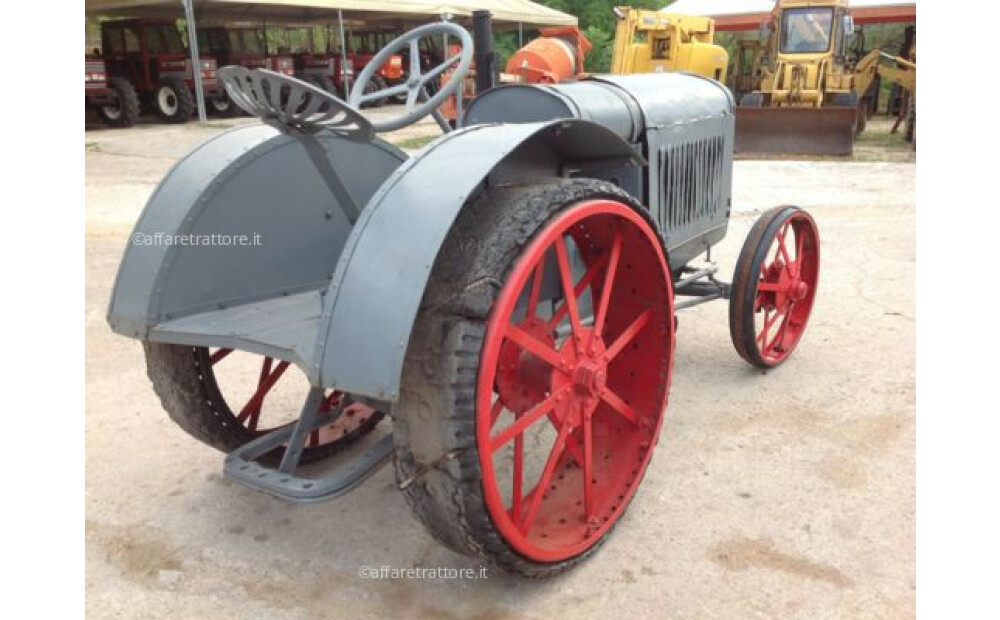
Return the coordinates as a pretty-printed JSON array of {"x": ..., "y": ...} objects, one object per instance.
[{"x": 416, "y": 82}]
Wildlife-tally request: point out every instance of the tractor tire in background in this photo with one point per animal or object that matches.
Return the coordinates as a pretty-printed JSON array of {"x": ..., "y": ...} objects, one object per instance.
[
  {"x": 172, "y": 101},
  {"x": 186, "y": 380},
  {"x": 472, "y": 386},
  {"x": 222, "y": 106},
  {"x": 380, "y": 84},
  {"x": 124, "y": 112},
  {"x": 374, "y": 85}
]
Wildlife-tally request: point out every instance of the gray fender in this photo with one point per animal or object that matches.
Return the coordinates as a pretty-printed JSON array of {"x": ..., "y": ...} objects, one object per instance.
[
  {"x": 250, "y": 181},
  {"x": 379, "y": 281}
]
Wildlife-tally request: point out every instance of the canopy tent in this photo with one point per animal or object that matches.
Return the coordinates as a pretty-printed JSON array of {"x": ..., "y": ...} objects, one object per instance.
[
  {"x": 736, "y": 15},
  {"x": 377, "y": 12}
]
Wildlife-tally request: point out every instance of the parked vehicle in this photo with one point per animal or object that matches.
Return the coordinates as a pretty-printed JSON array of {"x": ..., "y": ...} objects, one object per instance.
[
  {"x": 151, "y": 56},
  {"x": 242, "y": 46},
  {"x": 114, "y": 99}
]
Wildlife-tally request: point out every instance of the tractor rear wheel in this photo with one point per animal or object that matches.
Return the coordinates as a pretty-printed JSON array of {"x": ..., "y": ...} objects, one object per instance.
[
  {"x": 123, "y": 111},
  {"x": 524, "y": 427},
  {"x": 774, "y": 286},
  {"x": 173, "y": 101},
  {"x": 219, "y": 397}
]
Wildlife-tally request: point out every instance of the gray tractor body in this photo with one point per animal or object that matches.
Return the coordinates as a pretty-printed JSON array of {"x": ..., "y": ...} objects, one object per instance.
[{"x": 315, "y": 248}]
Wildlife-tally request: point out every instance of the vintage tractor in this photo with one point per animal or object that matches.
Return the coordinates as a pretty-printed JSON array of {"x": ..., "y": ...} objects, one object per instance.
[
  {"x": 114, "y": 99},
  {"x": 151, "y": 56},
  {"x": 243, "y": 46},
  {"x": 506, "y": 295}
]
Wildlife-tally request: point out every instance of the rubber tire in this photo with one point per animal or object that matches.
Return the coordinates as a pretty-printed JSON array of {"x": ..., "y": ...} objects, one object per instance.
[
  {"x": 232, "y": 111},
  {"x": 436, "y": 413},
  {"x": 380, "y": 84},
  {"x": 742, "y": 298},
  {"x": 194, "y": 402},
  {"x": 129, "y": 102},
  {"x": 375, "y": 84},
  {"x": 185, "y": 101}
]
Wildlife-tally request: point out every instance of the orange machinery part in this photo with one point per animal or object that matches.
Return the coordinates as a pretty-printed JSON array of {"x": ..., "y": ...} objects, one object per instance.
[{"x": 555, "y": 56}]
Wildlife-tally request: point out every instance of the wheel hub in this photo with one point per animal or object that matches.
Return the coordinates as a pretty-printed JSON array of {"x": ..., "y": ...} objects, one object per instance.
[
  {"x": 589, "y": 378},
  {"x": 585, "y": 370}
]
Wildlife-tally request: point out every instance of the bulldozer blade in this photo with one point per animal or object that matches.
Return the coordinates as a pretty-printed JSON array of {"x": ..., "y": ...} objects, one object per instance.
[{"x": 798, "y": 131}]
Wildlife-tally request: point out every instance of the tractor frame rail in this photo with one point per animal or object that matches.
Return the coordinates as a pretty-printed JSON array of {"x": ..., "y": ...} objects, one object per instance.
[{"x": 241, "y": 465}]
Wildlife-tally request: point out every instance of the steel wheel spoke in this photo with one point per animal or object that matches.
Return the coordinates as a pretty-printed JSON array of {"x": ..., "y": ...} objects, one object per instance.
[
  {"x": 630, "y": 332},
  {"x": 762, "y": 336},
  {"x": 619, "y": 406},
  {"x": 609, "y": 280},
  {"x": 526, "y": 420},
  {"x": 569, "y": 290},
  {"x": 532, "y": 345},
  {"x": 536, "y": 289},
  {"x": 495, "y": 412},
  {"x": 781, "y": 244},
  {"x": 267, "y": 380},
  {"x": 584, "y": 282},
  {"x": 781, "y": 328},
  {"x": 764, "y": 286},
  {"x": 543, "y": 482},
  {"x": 518, "y": 481},
  {"x": 218, "y": 356}
]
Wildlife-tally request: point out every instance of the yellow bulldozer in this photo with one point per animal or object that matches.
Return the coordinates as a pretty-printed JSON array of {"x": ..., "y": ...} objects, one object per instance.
[
  {"x": 655, "y": 42},
  {"x": 810, "y": 92}
]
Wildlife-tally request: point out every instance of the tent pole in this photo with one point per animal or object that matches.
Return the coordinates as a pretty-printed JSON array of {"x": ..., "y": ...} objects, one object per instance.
[
  {"x": 346, "y": 79},
  {"x": 195, "y": 63}
]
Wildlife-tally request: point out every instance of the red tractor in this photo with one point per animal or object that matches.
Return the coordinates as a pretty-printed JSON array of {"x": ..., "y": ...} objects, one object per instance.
[
  {"x": 114, "y": 99},
  {"x": 243, "y": 46},
  {"x": 152, "y": 57},
  {"x": 362, "y": 48}
]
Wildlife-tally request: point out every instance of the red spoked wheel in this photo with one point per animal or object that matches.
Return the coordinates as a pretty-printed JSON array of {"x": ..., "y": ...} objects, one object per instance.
[
  {"x": 226, "y": 398},
  {"x": 574, "y": 362},
  {"x": 774, "y": 286}
]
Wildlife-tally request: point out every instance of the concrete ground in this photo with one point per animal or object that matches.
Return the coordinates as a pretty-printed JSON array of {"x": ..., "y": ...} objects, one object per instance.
[{"x": 787, "y": 494}]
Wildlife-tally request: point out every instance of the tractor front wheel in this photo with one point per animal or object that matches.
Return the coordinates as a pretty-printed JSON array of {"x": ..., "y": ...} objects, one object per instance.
[
  {"x": 173, "y": 101},
  {"x": 222, "y": 106},
  {"x": 123, "y": 111},
  {"x": 774, "y": 286},
  {"x": 537, "y": 373}
]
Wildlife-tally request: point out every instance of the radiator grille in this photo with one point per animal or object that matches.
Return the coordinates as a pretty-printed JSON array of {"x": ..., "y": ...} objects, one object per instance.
[{"x": 691, "y": 190}]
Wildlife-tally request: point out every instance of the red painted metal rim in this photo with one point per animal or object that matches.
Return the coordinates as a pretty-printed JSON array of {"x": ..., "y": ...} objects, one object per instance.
[
  {"x": 582, "y": 386},
  {"x": 786, "y": 287},
  {"x": 254, "y": 415}
]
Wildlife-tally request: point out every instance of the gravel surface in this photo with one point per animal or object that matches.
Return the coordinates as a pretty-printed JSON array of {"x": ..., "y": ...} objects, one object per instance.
[{"x": 788, "y": 494}]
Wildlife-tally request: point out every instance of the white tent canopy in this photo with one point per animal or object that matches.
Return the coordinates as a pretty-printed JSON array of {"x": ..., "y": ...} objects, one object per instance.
[{"x": 509, "y": 12}]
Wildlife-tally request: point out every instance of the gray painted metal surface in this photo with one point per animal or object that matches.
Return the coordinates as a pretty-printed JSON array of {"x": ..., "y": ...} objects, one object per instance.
[
  {"x": 291, "y": 197},
  {"x": 682, "y": 124},
  {"x": 350, "y": 229},
  {"x": 380, "y": 278}
]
